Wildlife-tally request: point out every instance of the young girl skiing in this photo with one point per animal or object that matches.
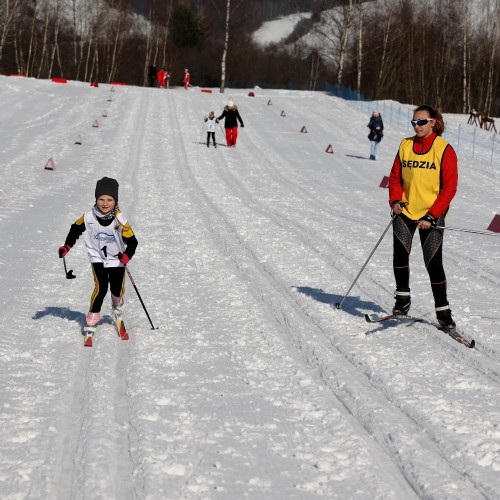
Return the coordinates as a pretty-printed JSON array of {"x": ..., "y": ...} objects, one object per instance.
[
  {"x": 211, "y": 122},
  {"x": 110, "y": 244}
]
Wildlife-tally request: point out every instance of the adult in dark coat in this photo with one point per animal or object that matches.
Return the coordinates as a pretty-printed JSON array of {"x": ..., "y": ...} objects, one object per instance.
[
  {"x": 152, "y": 75},
  {"x": 232, "y": 117},
  {"x": 376, "y": 127}
]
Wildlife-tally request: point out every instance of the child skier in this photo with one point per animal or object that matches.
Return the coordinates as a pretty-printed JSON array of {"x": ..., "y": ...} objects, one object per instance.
[
  {"x": 110, "y": 243},
  {"x": 211, "y": 122}
]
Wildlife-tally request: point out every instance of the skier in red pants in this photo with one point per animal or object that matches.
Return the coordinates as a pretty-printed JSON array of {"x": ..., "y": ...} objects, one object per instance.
[{"x": 232, "y": 117}]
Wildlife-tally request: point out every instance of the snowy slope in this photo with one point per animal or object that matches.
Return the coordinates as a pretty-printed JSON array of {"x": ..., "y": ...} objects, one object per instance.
[{"x": 253, "y": 386}]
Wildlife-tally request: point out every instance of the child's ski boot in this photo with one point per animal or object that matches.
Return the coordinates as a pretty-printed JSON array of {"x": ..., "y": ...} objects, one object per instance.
[
  {"x": 89, "y": 329},
  {"x": 117, "y": 305}
]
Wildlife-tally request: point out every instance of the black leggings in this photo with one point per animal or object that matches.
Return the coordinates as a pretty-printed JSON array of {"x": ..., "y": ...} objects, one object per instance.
[
  {"x": 210, "y": 134},
  {"x": 114, "y": 276},
  {"x": 431, "y": 241}
]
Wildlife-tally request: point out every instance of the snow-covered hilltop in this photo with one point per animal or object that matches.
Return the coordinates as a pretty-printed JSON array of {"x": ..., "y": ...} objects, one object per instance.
[{"x": 253, "y": 386}]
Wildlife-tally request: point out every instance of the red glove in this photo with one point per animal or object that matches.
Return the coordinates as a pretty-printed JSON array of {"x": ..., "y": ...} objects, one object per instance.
[
  {"x": 64, "y": 250},
  {"x": 124, "y": 258}
]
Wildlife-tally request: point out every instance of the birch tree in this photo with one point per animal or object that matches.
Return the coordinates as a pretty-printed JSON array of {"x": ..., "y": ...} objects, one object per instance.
[
  {"x": 9, "y": 9},
  {"x": 333, "y": 32},
  {"x": 493, "y": 59},
  {"x": 226, "y": 47},
  {"x": 360, "y": 46}
]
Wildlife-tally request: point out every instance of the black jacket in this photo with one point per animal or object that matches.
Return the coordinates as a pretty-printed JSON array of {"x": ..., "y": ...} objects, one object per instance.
[
  {"x": 232, "y": 117},
  {"x": 376, "y": 127}
]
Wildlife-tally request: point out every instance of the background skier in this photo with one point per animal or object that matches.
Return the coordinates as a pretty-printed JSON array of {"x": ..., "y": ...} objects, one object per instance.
[
  {"x": 376, "y": 127},
  {"x": 211, "y": 122},
  {"x": 187, "y": 78},
  {"x": 232, "y": 117}
]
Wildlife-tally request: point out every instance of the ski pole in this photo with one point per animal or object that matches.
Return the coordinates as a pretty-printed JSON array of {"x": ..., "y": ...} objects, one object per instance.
[
  {"x": 69, "y": 274},
  {"x": 338, "y": 305},
  {"x": 140, "y": 298},
  {"x": 487, "y": 233}
]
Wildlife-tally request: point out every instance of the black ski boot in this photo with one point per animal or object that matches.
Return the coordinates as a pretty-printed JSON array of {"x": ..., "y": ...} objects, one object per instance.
[
  {"x": 403, "y": 302},
  {"x": 443, "y": 315}
]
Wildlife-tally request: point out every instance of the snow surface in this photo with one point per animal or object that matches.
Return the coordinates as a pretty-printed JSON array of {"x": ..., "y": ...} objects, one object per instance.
[
  {"x": 253, "y": 386},
  {"x": 278, "y": 29}
]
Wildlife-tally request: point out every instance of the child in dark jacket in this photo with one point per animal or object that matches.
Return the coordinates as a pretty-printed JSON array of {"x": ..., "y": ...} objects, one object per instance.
[{"x": 110, "y": 243}]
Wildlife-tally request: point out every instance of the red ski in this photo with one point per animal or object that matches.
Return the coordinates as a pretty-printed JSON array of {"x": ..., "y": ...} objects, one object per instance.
[{"x": 122, "y": 331}]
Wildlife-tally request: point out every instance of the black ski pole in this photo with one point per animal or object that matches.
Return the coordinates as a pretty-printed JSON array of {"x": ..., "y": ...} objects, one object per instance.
[
  {"x": 473, "y": 231},
  {"x": 338, "y": 305},
  {"x": 69, "y": 274},
  {"x": 140, "y": 298}
]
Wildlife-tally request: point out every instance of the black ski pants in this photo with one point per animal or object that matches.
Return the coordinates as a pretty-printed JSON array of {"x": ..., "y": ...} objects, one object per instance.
[
  {"x": 104, "y": 276},
  {"x": 210, "y": 134},
  {"x": 431, "y": 241}
]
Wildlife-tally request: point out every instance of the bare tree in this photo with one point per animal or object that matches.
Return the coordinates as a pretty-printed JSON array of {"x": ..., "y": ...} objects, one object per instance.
[
  {"x": 8, "y": 12},
  {"x": 226, "y": 47},
  {"x": 360, "y": 45},
  {"x": 493, "y": 59},
  {"x": 333, "y": 32}
]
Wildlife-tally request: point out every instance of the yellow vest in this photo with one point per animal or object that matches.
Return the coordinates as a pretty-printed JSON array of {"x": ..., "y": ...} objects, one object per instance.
[{"x": 421, "y": 175}]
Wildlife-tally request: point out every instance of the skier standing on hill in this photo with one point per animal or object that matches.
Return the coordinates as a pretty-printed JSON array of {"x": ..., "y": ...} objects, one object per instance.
[
  {"x": 110, "y": 243},
  {"x": 211, "y": 122},
  {"x": 425, "y": 176},
  {"x": 232, "y": 117},
  {"x": 376, "y": 127},
  {"x": 187, "y": 79}
]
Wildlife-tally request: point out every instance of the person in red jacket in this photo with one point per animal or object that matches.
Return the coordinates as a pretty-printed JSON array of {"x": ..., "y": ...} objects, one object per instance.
[
  {"x": 162, "y": 75},
  {"x": 187, "y": 78},
  {"x": 422, "y": 183}
]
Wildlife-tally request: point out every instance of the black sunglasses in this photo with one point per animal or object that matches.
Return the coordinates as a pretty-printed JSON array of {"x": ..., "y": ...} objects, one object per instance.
[{"x": 421, "y": 122}]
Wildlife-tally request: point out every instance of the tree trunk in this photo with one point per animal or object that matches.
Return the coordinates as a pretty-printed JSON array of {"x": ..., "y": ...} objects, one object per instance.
[
  {"x": 226, "y": 45},
  {"x": 360, "y": 47},
  {"x": 492, "y": 63},
  {"x": 10, "y": 11},
  {"x": 44, "y": 44},
  {"x": 465, "y": 101}
]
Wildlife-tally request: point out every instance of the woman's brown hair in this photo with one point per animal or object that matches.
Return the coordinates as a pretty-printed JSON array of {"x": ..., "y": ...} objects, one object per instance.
[{"x": 435, "y": 113}]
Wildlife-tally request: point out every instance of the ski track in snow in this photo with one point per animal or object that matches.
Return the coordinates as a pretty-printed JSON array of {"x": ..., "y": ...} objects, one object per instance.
[{"x": 253, "y": 386}]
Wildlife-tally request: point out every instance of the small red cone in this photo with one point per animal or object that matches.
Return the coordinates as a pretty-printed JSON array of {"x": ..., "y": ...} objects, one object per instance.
[
  {"x": 495, "y": 224},
  {"x": 303, "y": 129},
  {"x": 251, "y": 94},
  {"x": 385, "y": 182},
  {"x": 50, "y": 165},
  {"x": 329, "y": 149}
]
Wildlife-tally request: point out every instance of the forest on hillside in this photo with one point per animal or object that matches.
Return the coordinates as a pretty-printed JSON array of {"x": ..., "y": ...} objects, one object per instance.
[{"x": 440, "y": 52}]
